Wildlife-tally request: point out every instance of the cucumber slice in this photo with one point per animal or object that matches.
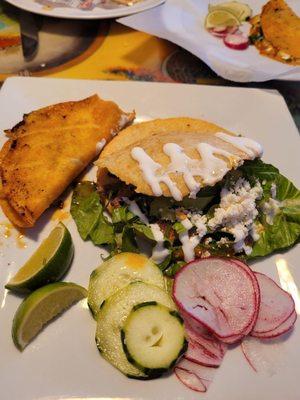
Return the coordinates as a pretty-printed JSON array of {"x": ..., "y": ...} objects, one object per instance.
[
  {"x": 241, "y": 10},
  {"x": 112, "y": 316},
  {"x": 116, "y": 273},
  {"x": 153, "y": 337}
]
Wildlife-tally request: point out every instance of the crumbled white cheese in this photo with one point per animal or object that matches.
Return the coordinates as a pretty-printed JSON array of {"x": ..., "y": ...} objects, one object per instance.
[
  {"x": 237, "y": 212},
  {"x": 208, "y": 240},
  {"x": 200, "y": 222},
  {"x": 223, "y": 240}
]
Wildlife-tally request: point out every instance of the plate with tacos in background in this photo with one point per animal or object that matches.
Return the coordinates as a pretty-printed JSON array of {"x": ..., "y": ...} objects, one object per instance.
[{"x": 243, "y": 41}]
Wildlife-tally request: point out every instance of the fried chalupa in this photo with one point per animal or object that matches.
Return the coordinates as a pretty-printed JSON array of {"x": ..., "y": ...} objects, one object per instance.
[
  {"x": 48, "y": 149},
  {"x": 116, "y": 160},
  {"x": 278, "y": 32}
]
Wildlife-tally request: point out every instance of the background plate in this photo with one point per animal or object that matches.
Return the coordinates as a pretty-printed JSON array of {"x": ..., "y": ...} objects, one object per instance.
[
  {"x": 96, "y": 13},
  {"x": 63, "y": 361}
]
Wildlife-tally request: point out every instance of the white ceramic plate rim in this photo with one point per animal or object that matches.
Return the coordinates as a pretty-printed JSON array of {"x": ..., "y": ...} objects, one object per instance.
[{"x": 96, "y": 13}]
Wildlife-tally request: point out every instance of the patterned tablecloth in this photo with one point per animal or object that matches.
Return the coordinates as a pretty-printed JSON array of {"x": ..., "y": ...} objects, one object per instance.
[{"x": 107, "y": 50}]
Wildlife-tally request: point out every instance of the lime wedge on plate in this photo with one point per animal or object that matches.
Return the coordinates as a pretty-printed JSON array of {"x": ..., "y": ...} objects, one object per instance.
[
  {"x": 221, "y": 17},
  {"x": 241, "y": 10},
  {"x": 48, "y": 264},
  {"x": 42, "y": 306}
]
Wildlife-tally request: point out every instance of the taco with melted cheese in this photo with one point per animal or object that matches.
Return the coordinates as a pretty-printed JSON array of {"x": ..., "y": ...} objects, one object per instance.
[
  {"x": 190, "y": 189},
  {"x": 48, "y": 149}
]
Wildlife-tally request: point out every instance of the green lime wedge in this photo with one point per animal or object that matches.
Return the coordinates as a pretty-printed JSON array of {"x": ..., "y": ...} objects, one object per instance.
[
  {"x": 48, "y": 263},
  {"x": 241, "y": 10},
  {"x": 221, "y": 17},
  {"x": 40, "y": 307}
]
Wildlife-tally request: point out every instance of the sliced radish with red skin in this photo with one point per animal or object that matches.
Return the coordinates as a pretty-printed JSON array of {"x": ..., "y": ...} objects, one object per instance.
[
  {"x": 232, "y": 339},
  {"x": 206, "y": 340},
  {"x": 190, "y": 380},
  {"x": 285, "y": 327},
  {"x": 199, "y": 355},
  {"x": 234, "y": 29},
  {"x": 236, "y": 41},
  {"x": 206, "y": 374},
  {"x": 257, "y": 295},
  {"x": 218, "y": 293},
  {"x": 219, "y": 29},
  {"x": 222, "y": 31},
  {"x": 264, "y": 358},
  {"x": 276, "y": 305},
  {"x": 194, "y": 325}
]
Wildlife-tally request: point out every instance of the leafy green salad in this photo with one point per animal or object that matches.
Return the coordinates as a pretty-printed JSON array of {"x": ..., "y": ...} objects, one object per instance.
[{"x": 252, "y": 212}]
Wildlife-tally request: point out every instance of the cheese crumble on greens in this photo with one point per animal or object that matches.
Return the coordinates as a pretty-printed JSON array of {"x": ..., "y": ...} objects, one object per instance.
[{"x": 252, "y": 212}]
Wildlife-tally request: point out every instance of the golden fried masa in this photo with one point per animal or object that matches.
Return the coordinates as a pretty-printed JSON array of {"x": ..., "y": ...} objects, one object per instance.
[
  {"x": 280, "y": 28},
  {"x": 48, "y": 149},
  {"x": 152, "y": 136}
]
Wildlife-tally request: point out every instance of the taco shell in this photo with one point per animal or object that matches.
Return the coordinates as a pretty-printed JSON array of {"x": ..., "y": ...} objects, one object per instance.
[
  {"x": 151, "y": 136},
  {"x": 48, "y": 149}
]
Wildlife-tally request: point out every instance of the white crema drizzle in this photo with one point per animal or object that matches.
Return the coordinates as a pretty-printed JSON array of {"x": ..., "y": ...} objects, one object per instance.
[
  {"x": 149, "y": 168},
  {"x": 159, "y": 252},
  {"x": 188, "y": 243},
  {"x": 248, "y": 146},
  {"x": 135, "y": 209},
  {"x": 181, "y": 163},
  {"x": 211, "y": 168}
]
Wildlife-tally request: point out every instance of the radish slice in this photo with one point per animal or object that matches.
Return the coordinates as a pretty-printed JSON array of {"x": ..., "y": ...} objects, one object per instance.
[
  {"x": 206, "y": 374},
  {"x": 190, "y": 380},
  {"x": 263, "y": 358},
  {"x": 257, "y": 295},
  {"x": 222, "y": 31},
  {"x": 205, "y": 340},
  {"x": 236, "y": 41},
  {"x": 199, "y": 355},
  {"x": 219, "y": 294},
  {"x": 276, "y": 306},
  {"x": 232, "y": 339},
  {"x": 280, "y": 330}
]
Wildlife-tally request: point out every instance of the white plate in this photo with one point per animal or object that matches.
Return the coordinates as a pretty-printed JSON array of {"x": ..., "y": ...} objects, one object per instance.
[
  {"x": 63, "y": 361},
  {"x": 96, "y": 13},
  {"x": 182, "y": 22}
]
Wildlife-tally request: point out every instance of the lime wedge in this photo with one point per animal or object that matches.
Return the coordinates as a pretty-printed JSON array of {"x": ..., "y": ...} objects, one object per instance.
[
  {"x": 48, "y": 264},
  {"x": 241, "y": 10},
  {"x": 221, "y": 17},
  {"x": 42, "y": 306}
]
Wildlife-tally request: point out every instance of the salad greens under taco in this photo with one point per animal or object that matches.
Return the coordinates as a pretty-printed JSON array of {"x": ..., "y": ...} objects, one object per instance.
[{"x": 189, "y": 189}]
